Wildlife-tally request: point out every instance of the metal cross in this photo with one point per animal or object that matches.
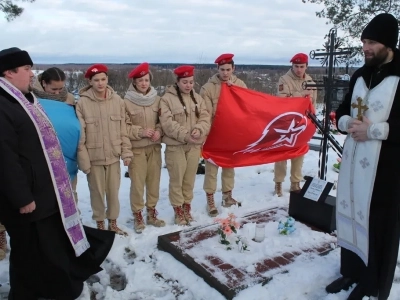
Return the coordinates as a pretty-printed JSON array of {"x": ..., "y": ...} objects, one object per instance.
[
  {"x": 360, "y": 108},
  {"x": 332, "y": 55}
]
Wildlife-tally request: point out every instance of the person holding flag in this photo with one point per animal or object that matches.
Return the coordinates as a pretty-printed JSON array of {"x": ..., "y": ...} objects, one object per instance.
[
  {"x": 291, "y": 85},
  {"x": 210, "y": 93},
  {"x": 275, "y": 133}
]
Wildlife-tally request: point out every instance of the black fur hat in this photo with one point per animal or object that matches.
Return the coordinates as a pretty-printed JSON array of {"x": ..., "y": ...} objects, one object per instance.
[
  {"x": 383, "y": 29},
  {"x": 12, "y": 58}
]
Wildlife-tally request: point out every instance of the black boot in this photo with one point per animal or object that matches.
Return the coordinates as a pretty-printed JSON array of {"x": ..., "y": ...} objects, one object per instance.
[
  {"x": 357, "y": 294},
  {"x": 342, "y": 283},
  {"x": 201, "y": 169}
]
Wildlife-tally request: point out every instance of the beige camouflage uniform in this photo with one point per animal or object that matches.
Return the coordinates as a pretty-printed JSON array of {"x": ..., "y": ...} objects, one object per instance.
[
  {"x": 290, "y": 85},
  {"x": 182, "y": 157},
  {"x": 103, "y": 143},
  {"x": 145, "y": 167},
  {"x": 210, "y": 93}
]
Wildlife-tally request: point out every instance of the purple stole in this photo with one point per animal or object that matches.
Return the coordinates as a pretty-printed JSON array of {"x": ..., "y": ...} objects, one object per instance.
[{"x": 57, "y": 167}]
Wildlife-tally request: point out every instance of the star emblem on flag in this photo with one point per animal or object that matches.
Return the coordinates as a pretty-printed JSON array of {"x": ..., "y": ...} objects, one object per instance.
[{"x": 289, "y": 135}]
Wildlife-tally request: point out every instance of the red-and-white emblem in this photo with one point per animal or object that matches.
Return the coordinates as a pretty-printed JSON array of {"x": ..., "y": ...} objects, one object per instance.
[{"x": 282, "y": 131}]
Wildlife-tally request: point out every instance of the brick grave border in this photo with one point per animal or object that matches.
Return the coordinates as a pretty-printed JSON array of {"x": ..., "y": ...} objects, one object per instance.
[{"x": 170, "y": 243}]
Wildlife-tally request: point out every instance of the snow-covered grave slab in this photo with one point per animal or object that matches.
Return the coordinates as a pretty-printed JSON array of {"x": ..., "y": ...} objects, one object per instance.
[{"x": 230, "y": 271}]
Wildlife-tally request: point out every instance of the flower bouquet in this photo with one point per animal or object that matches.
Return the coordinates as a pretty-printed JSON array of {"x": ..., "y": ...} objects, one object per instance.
[
  {"x": 286, "y": 227},
  {"x": 227, "y": 227},
  {"x": 336, "y": 166}
]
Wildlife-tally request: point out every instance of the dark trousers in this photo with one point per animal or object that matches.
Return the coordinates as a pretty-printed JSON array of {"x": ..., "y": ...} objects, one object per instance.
[{"x": 43, "y": 262}]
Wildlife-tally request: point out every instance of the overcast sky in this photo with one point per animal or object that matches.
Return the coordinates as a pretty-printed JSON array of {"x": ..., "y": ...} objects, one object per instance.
[{"x": 182, "y": 31}]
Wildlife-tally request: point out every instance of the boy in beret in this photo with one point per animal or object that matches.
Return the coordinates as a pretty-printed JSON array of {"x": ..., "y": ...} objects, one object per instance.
[
  {"x": 104, "y": 141},
  {"x": 210, "y": 93},
  {"x": 368, "y": 191},
  {"x": 52, "y": 253},
  {"x": 290, "y": 85}
]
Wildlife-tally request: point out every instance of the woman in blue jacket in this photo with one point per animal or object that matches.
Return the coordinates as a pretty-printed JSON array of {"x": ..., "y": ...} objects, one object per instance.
[{"x": 59, "y": 106}]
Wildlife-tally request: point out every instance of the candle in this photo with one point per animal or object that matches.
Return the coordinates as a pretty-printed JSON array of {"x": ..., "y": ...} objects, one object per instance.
[{"x": 260, "y": 233}]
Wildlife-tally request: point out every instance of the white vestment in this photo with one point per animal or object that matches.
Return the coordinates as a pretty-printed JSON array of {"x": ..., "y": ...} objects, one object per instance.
[{"x": 358, "y": 168}]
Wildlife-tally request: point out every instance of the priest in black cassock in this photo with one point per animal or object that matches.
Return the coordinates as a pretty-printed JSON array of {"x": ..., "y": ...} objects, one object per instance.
[
  {"x": 368, "y": 196},
  {"x": 52, "y": 252}
]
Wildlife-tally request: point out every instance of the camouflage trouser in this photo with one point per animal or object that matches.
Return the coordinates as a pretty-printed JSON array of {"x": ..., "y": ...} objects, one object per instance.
[
  {"x": 182, "y": 162},
  {"x": 104, "y": 182},
  {"x": 210, "y": 178},
  {"x": 295, "y": 170},
  {"x": 145, "y": 172}
]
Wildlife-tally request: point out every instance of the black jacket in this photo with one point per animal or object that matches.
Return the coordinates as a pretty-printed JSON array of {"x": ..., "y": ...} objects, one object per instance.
[{"x": 24, "y": 174}]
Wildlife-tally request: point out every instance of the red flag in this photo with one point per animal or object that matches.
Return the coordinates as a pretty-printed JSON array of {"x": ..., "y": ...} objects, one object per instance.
[{"x": 251, "y": 128}]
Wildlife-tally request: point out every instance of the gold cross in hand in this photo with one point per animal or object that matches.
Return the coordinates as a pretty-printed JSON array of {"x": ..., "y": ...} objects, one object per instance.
[{"x": 360, "y": 108}]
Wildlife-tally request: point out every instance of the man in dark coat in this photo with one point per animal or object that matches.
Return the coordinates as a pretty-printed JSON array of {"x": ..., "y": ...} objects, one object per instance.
[
  {"x": 368, "y": 197},
  {"x": 52, "y": 253}
]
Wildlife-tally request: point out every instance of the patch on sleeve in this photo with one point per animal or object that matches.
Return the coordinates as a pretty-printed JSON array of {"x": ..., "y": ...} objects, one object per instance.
[{"x": 281, "y": 87}]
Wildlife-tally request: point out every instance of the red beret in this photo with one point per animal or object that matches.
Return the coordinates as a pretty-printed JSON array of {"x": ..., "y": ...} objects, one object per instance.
[
  {"x": 184, "y": 71},
  {"x": 299, "y": 58},
  {"x": 95, "y": 69},
  {"x": 139, "y": 71},
  {"x": 224, "y": 59}
]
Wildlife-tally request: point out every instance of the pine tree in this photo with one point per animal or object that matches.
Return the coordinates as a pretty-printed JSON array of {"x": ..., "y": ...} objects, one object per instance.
[
  {"x": 10, "y": 9},
  {"x": 352, "y": 16}
]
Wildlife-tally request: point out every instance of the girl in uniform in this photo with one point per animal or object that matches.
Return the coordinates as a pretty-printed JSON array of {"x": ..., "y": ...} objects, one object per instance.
[{"x": 185, "y": 123}]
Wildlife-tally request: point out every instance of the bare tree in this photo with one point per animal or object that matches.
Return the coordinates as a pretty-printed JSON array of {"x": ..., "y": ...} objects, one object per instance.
[
  {"x": 161, "y": 78},
  {"x": 202, "y": 75},
  {"x": 118, "y": 80},
  {"x": 74, "y": 80},
  {"x": 12, "y": 10}
]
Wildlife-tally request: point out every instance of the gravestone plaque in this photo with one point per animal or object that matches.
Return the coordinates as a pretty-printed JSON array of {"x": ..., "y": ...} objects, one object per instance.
[{"x": 313, "y": 204}]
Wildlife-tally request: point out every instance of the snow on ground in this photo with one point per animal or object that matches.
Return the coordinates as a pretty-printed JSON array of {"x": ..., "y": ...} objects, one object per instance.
[{"x": 153, "y": 274}]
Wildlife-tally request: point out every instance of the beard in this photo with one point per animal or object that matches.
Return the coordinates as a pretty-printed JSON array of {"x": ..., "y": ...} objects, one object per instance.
[{"x": 378, "y": 58}]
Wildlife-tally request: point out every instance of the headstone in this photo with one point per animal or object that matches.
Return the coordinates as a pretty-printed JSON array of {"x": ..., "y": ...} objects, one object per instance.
[
  {"x": 339, "y": 92},
  {"x": 313, "y": 205}
]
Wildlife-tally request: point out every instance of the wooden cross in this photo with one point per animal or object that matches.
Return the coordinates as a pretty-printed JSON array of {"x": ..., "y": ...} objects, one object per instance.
[{"x": 360, "y": 108}]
